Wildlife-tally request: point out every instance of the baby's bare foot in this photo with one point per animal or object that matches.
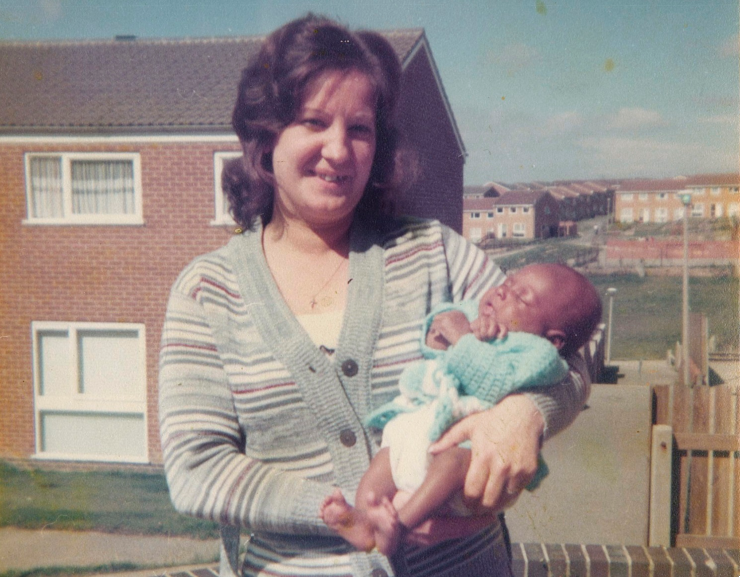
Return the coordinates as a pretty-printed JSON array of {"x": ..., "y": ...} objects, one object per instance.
[
  {"x": 388, "y": 529},
  {"x": 350, "y": 523}
]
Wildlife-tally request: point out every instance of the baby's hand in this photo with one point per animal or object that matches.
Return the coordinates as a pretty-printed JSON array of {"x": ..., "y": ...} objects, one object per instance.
[
  {"x": 486, "y": 328},
  {"x": 446, "y": 329}
]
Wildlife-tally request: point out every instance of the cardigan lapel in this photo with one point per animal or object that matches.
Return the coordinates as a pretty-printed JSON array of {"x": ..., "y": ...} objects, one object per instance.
[{"x": 338, "y": 401}]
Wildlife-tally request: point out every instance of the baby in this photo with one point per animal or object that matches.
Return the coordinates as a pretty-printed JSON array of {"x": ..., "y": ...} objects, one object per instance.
[{"x": 476, "y": 353}]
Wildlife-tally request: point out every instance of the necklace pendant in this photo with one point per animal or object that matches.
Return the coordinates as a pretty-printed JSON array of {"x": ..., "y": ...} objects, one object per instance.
[{"x": 313, "y": 303}]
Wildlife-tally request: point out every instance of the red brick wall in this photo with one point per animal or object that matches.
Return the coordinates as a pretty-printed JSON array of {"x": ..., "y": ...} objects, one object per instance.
[
  {"x": 425, "y": 122},
  {"x": 657, "y": 250},
  {"x": 97, "y": 273}
]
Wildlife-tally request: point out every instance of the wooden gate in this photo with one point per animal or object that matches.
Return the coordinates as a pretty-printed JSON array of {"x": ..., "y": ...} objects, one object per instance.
[{"x": 705, "y": 510}]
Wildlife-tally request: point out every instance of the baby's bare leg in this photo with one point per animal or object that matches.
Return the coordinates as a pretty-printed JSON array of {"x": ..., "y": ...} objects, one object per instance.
[
  {"x": 373, "y": 522},
  {"x": 446, "y": 476}
]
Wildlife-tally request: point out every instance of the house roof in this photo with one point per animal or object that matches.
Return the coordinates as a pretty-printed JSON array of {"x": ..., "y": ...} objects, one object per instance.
[
  {"x": 475, "y": 190},
  {"x": 728, "y": 179},
  {"x": 520, "y": 197},
  {"x": 133, "y": 85},
  {"x": 478, "y": 203},
  {"x": 657, "y": 185}
]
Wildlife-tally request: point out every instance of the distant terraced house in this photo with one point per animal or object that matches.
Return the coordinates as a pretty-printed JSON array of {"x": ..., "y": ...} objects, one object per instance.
[
  {"x": 659, "y": 201},
  {"x": 111, "y": 155}
]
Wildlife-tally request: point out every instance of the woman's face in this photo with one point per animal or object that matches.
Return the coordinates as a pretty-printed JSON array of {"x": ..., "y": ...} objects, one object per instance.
[{"x": 322, "y": 160}]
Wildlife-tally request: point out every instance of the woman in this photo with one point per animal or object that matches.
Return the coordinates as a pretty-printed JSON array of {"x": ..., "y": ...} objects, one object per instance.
[{"x": 276, "y": 346}]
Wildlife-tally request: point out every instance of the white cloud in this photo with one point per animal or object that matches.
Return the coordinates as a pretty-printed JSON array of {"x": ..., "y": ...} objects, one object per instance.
[
  {"x": 564, "y": 123},
  {"x": 515, "y": 57},
  {"x": 652, "y": 157},
  {"x": 634, "y": 119},
  {"x": 730, "y": 47},
  {"x": 726, "y": 119}
]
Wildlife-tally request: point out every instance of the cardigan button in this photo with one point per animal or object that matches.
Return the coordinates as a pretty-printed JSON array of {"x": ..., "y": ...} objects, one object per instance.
[
  {"x": 349, "y": 368},
  {"x": 347, "y": 437},
  {"x": 378, "y": 572}
]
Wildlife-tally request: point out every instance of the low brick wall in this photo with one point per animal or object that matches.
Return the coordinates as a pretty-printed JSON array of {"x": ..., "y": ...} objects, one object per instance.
[
  {"x": 670, "y": 253},
  {"x": 548, "y": 560},
  {"x": 541, "y": 560}
]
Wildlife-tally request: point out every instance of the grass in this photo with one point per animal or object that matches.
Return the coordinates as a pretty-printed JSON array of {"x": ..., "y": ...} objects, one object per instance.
[
  {"x": 111, "y": 502},
  {"x": 58, "y": 571},
  {"x": 647, "y": 312}
]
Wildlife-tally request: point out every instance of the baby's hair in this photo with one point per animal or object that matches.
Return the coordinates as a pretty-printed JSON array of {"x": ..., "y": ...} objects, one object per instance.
[{"x": 582, "y": 313}]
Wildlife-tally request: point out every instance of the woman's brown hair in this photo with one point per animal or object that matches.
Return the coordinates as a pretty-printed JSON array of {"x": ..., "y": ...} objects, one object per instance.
[{"x": 270, "y": 96}]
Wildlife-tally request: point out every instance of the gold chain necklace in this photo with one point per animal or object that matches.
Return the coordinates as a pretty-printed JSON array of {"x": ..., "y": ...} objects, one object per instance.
[{"x": 326, "y": 301}]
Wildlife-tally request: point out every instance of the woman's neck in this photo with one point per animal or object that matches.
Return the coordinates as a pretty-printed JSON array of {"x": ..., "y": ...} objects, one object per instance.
[{"x": 300, "y": 237}]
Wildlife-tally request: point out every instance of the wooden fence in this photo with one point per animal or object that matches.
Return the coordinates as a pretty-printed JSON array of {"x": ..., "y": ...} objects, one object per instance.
[{"x": 705, "y": 479}]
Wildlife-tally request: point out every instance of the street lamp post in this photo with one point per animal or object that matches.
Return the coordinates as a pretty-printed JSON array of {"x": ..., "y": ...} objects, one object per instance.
[
  {"x": 611, "y": 291},
  {"x": 686, "y": 200}
]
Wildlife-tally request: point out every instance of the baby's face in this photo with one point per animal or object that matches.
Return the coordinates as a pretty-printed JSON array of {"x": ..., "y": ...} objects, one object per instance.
[{"x": 523, "y": 302}]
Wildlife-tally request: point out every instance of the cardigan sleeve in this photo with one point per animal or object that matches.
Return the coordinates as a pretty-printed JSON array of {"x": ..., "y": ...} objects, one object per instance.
[
  {"x": 471, "y": 274},
  {"x": 207, "y": 471}
]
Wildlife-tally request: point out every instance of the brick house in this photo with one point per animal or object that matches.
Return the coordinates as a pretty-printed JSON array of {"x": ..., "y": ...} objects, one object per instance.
[
  {"x": 523, "y": 214},
  {"x": 110, "y": 162},
  {"x": 712, "y": 196}
]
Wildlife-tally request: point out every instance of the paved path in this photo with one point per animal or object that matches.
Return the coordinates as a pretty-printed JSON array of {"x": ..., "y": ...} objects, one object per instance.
[{"x": 24, "y": 549}]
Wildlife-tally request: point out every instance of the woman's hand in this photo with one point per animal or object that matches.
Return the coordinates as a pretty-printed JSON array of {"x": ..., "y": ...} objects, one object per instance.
[{"x": 505, "y": 441}]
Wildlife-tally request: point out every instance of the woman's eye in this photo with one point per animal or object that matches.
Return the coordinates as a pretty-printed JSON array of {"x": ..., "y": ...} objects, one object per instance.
[
  {"x": 313, "y": 123},
  {"x": 362, "y": 129}
]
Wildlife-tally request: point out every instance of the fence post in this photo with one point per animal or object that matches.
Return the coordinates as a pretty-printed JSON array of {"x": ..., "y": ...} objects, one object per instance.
[{"x": 659, "y": 516}]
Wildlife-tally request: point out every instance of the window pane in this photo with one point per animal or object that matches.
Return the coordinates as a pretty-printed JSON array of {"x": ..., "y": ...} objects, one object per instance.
[
  {"x": 46, "y": 187},
  {"x": 110, "y": 364},
  {"x": 107, "y": 435},
  {"x": 102, "y": 187},
  {"x": 54, "y": 368}
]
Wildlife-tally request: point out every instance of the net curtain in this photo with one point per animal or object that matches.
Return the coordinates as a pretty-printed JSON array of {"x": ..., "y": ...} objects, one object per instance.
[{"x": 98, "y": 187}]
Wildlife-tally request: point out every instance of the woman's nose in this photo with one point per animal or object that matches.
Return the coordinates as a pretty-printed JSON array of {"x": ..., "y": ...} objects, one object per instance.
[{"x": 336, "y": 146}]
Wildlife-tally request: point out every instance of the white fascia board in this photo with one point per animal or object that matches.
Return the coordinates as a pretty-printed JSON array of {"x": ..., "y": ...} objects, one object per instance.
[{"x": 116, "y": 138}]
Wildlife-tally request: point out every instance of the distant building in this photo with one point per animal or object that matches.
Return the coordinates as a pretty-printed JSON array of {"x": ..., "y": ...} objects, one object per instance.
[
  {"x": 522, "y": 214},
  {"x": 658, "y": 201},
  {"x": 111, "y": 155}
]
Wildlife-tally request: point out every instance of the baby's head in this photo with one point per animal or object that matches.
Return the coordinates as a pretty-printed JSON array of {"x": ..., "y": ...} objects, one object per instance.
[{"x": 550, "y": 300}]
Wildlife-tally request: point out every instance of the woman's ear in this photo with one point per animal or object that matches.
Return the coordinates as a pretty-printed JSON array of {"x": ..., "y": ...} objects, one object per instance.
[{"x": 556, "y": 337}]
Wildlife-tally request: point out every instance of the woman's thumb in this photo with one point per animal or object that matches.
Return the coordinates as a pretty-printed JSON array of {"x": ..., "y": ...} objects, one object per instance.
[{"x": 452, "y": 437}]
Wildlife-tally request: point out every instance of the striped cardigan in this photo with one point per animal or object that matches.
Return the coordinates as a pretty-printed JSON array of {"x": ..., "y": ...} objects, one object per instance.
[{"x": 258, "y": 426}]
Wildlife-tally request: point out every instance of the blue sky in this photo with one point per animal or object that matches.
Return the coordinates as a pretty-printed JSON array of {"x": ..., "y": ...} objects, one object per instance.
[{"x": 540, "y": 89}]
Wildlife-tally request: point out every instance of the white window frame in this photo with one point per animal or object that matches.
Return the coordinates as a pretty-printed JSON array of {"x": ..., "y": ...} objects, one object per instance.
[
  {"x": 512, "y": 210},
  {"x": 626, "y": 215},
  {"x": 489, "y": 215},
  {"x": 734, "y": 189},
  {"x": 661, "y": 215},
  {"x": 500, "y": 210},
  {"x": 518, "y": 230},
  {"x": 716, "y": 190},
  {"x": 86, "y": 404},
  {"x": 525, "y": 209},
  {"x": 476, "y": 234},
  {"x": 733, "y": 209},
  {"x": 662, "y": 195},
  {"x": 643, "y": 196},
  {"x": 69, "y": 218},
  {"x": 678, "y": 213},
  {"x": 221, "y": 214},
  {"x": 697, "y": 210},
  {"x": 627, "y": 196},
  {"x": 645, "y": 214}
]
